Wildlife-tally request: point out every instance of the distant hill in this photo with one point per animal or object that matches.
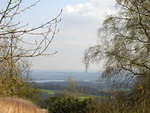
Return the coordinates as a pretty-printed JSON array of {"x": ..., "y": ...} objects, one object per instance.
[{"x": 49, "y": 75}]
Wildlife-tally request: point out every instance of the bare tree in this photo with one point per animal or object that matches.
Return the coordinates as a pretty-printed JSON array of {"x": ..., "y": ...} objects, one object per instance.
[
  {"x": 20, "y": 41},
  {"x": 14, "y": 45},
  {"x": 72, "y": 85}
]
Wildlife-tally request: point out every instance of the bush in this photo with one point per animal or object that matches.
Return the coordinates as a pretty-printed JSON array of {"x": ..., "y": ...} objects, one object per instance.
[{"x": 71, "y": 105}]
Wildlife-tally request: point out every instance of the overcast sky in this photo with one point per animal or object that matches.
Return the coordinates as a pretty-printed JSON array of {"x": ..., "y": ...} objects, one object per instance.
[{"x": 77, "y": 31}]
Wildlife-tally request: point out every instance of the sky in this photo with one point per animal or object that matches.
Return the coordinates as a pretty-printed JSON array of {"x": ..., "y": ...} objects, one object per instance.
[{"x": 77, "y": 31}]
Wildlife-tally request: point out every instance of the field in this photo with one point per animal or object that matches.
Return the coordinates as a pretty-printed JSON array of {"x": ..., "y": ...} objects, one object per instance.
[
  {"x": 50, "y": 92},
  {"x": 79, "y": 95}
]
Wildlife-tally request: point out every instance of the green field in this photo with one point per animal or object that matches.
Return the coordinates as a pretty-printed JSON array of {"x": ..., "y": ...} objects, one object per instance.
[
  {"x": 50, "y": 92},
  {"x": 80, "y": 96}
]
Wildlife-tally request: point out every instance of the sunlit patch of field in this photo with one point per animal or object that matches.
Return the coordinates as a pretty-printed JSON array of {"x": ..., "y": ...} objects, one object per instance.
[{"x": 50, "y": 92}]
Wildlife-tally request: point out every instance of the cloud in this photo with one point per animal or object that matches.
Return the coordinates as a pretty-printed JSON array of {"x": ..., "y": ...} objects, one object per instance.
[
  {"x": 91, "y": 8},
  {"x": 78, "y": 31}
]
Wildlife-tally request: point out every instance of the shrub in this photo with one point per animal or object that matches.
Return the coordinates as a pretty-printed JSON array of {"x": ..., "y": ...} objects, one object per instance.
[{"x": 71, "y": 105}]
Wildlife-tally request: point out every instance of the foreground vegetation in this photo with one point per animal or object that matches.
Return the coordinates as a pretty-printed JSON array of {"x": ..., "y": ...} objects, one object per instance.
[
  {"x": 136, "y": 100},
  {"x": 121, "y": 102}
]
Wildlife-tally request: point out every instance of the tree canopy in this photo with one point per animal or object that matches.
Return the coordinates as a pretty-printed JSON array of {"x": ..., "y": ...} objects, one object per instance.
[{"x": 124, "y": 39}]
